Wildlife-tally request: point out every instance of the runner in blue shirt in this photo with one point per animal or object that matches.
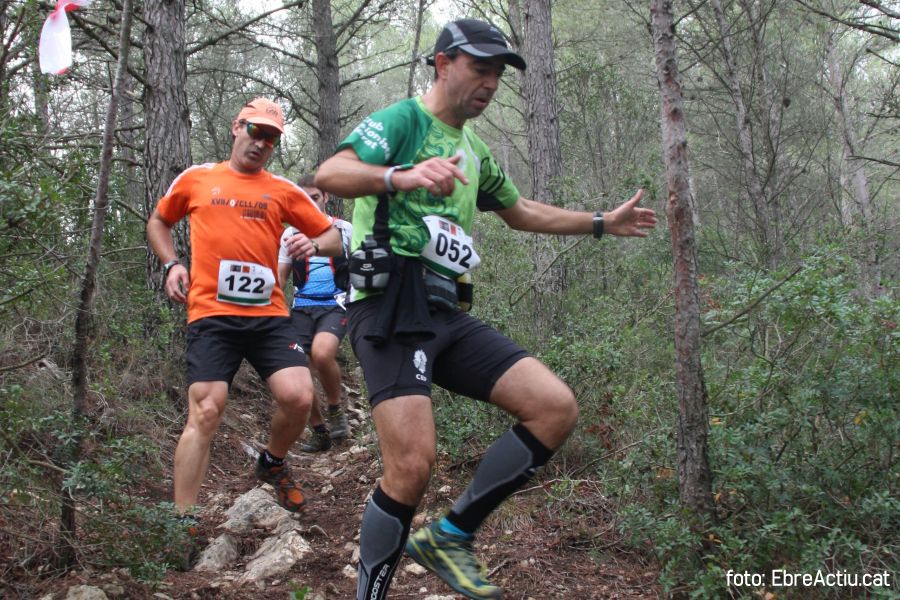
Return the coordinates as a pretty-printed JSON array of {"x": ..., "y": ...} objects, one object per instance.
[{"x": 320, "y": 322}]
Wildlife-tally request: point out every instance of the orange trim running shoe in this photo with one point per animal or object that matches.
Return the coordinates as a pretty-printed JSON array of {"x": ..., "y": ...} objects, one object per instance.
[{"x": 288, "y": 494}]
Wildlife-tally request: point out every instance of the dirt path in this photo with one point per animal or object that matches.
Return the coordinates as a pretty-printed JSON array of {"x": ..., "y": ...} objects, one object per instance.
[{"x": 532, "y": 551}]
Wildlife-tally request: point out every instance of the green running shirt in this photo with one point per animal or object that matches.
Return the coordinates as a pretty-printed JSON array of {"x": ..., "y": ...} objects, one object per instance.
[{"x": 407, "y": 132}]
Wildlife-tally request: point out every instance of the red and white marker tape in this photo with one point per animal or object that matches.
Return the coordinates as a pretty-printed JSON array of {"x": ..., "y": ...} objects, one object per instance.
[{"x": 55, "y": 48}]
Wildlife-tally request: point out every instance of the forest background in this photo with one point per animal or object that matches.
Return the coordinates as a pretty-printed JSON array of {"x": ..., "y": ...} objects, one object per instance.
[{"x": 792, "y": 120}]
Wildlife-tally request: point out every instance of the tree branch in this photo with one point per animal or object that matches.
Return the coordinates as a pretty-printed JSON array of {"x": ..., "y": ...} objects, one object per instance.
[
  {"x": 880, "y": 7},
  {"x": 23, "y": 364},
  {"x": 873, "y": 29},
  {"x": 752, "y": 305},
  {"x": 877, "y": 160},
  {"x": 213, "y": 40}
]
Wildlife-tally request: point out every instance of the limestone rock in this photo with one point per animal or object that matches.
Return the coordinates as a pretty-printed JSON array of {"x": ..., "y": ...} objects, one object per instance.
[
  {"x": 86, "y": 592},
  {"x": 219, "y": 556},
  {"x": 276, "y": 556},
  {"x": 253, "y": 510},
  {"x": 114, "y": 590}
]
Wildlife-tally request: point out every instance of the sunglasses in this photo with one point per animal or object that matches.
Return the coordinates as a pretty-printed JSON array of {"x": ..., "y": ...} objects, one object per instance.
[{"x": 256, "y": 132}]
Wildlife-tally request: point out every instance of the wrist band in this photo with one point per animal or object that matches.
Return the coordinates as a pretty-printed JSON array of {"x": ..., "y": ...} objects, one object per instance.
[
  {"x": 315, "y": 247},
  {"x": 387, "y": 176},
  {"x": 598, "y": 224},
  {"x": 168, "y": 267}
]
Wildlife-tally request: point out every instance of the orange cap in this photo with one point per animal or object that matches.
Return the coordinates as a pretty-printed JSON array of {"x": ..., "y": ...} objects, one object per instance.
[{"x": 263, "y": 111}]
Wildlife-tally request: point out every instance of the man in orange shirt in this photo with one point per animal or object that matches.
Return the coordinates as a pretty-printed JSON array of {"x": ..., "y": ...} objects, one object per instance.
[{"x": 236, "y": 309}]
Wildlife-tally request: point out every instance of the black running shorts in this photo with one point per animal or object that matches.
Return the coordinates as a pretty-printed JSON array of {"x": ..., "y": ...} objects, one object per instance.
[
  {"x": 465, "y": 357},
  {"x": 217, "y": 345},
  {"x": 308, "y": 321}
]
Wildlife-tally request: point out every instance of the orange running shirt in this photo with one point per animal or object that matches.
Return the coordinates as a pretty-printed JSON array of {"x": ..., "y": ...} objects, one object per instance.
[{"x": 236, "y": 224}]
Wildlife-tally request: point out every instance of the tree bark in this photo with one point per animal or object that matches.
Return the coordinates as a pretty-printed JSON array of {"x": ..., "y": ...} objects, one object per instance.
[
  {"x": 329, "y": 89},
  {"x": 4, "y": 57},
  {"x": 695, "y": 478},
  {"x": 544, "y": 153},
  {"x": 328, "y": 74},
  {"x": 541, "y": 103},
  {"x": 167, "y": 150},
  {"x": 83, "y": 319}
]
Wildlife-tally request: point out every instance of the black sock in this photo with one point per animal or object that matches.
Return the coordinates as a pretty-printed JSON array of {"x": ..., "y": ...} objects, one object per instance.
[
  {"x": 382, "y": 538},
  {"x": 320, "y": 428},
  {"x": 508, "y": 464},
  {"x": 267, "y": 460},
  {"x": 334, "y": 408}
]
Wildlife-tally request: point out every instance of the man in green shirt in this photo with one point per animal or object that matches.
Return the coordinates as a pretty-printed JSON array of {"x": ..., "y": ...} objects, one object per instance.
[{"x": 418, "y": 174}]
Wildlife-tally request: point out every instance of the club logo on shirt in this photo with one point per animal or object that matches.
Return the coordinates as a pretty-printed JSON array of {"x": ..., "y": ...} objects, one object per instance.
[
  {"x": 250, "y": 209},
  {"x": 420, "y": 361}
]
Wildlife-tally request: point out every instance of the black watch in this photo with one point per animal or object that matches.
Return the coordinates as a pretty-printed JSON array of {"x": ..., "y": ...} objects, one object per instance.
[
  {"x": 598, "y": 224},
  {"x": 168, "y": 267}
]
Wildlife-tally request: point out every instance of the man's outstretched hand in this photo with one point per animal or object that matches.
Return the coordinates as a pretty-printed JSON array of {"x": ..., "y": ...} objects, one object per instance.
[{"x": 629, "y": 219}]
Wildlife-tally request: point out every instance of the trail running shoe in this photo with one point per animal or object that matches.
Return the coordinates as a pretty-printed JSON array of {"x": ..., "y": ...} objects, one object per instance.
[
  {"x": 453, "y": 560},
  {"x": 289, "y": 495},
  {"x": 319, "y": 441},
  {"x": 337, "y": 423}
]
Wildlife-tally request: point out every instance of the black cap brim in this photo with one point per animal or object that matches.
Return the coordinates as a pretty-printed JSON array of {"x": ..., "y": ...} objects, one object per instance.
[
  {"x": 492, "y": 50},
  {"x": 489, "y": 51}
]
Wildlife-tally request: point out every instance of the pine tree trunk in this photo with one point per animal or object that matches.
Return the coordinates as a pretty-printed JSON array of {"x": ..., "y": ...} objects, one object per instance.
[
  {"x": 83, "y": 319},
  {"x": 695, "y": 478},
  {"x": 329, "y": 78},
  {"x": 544, "y": 153},
  {"x": 167, "y": 150}
]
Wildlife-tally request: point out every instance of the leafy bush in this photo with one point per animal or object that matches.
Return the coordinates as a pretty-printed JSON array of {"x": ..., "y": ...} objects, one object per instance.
[
  {"x": 804, "y": 434},
  {"x": 119, "y": 520}
]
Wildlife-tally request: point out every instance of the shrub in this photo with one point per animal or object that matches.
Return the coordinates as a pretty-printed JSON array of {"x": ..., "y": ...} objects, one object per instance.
[{"x": 804, "y": 432}]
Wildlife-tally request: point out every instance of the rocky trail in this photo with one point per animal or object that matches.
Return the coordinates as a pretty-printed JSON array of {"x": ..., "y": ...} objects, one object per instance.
[{"x": 253, "y": 549}]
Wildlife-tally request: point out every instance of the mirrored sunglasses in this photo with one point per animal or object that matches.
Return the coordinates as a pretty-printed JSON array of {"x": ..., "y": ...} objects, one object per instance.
[{"x": 257, "y": 132}]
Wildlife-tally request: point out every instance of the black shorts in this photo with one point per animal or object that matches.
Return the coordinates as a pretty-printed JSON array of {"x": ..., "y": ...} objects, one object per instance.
[
  {"x": 308, "y": 321},
  {"x": 465, "y": 357},
  {"x": 217, "y": 345}
]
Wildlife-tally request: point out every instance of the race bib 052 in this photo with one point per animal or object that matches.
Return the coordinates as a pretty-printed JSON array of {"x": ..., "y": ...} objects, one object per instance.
[{"x": 449, "y": 250}]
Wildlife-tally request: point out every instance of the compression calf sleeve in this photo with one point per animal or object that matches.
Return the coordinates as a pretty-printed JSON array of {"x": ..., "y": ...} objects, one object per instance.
[
  {"x": 508, "y": 464},
  {"x": 385, "y": 527}
]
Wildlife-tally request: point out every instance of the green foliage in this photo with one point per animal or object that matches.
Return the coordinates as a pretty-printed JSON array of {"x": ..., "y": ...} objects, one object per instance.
[
  {"x": 804, "y": 431},
  {"x": 465, "y": 425},
  {"x": 121, "y": 524},
  {"x": 297, "y": 592}
]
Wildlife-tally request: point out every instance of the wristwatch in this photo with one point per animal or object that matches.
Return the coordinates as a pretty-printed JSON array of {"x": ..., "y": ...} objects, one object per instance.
[
  {"x": 598, "y": 224},
  {"x": 387, "y": 175},
  {"x": 168, "y": 266}
]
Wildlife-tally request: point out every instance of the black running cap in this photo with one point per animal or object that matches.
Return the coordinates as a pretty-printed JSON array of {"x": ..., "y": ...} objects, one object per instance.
[{"x": 478, "y": 39}]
